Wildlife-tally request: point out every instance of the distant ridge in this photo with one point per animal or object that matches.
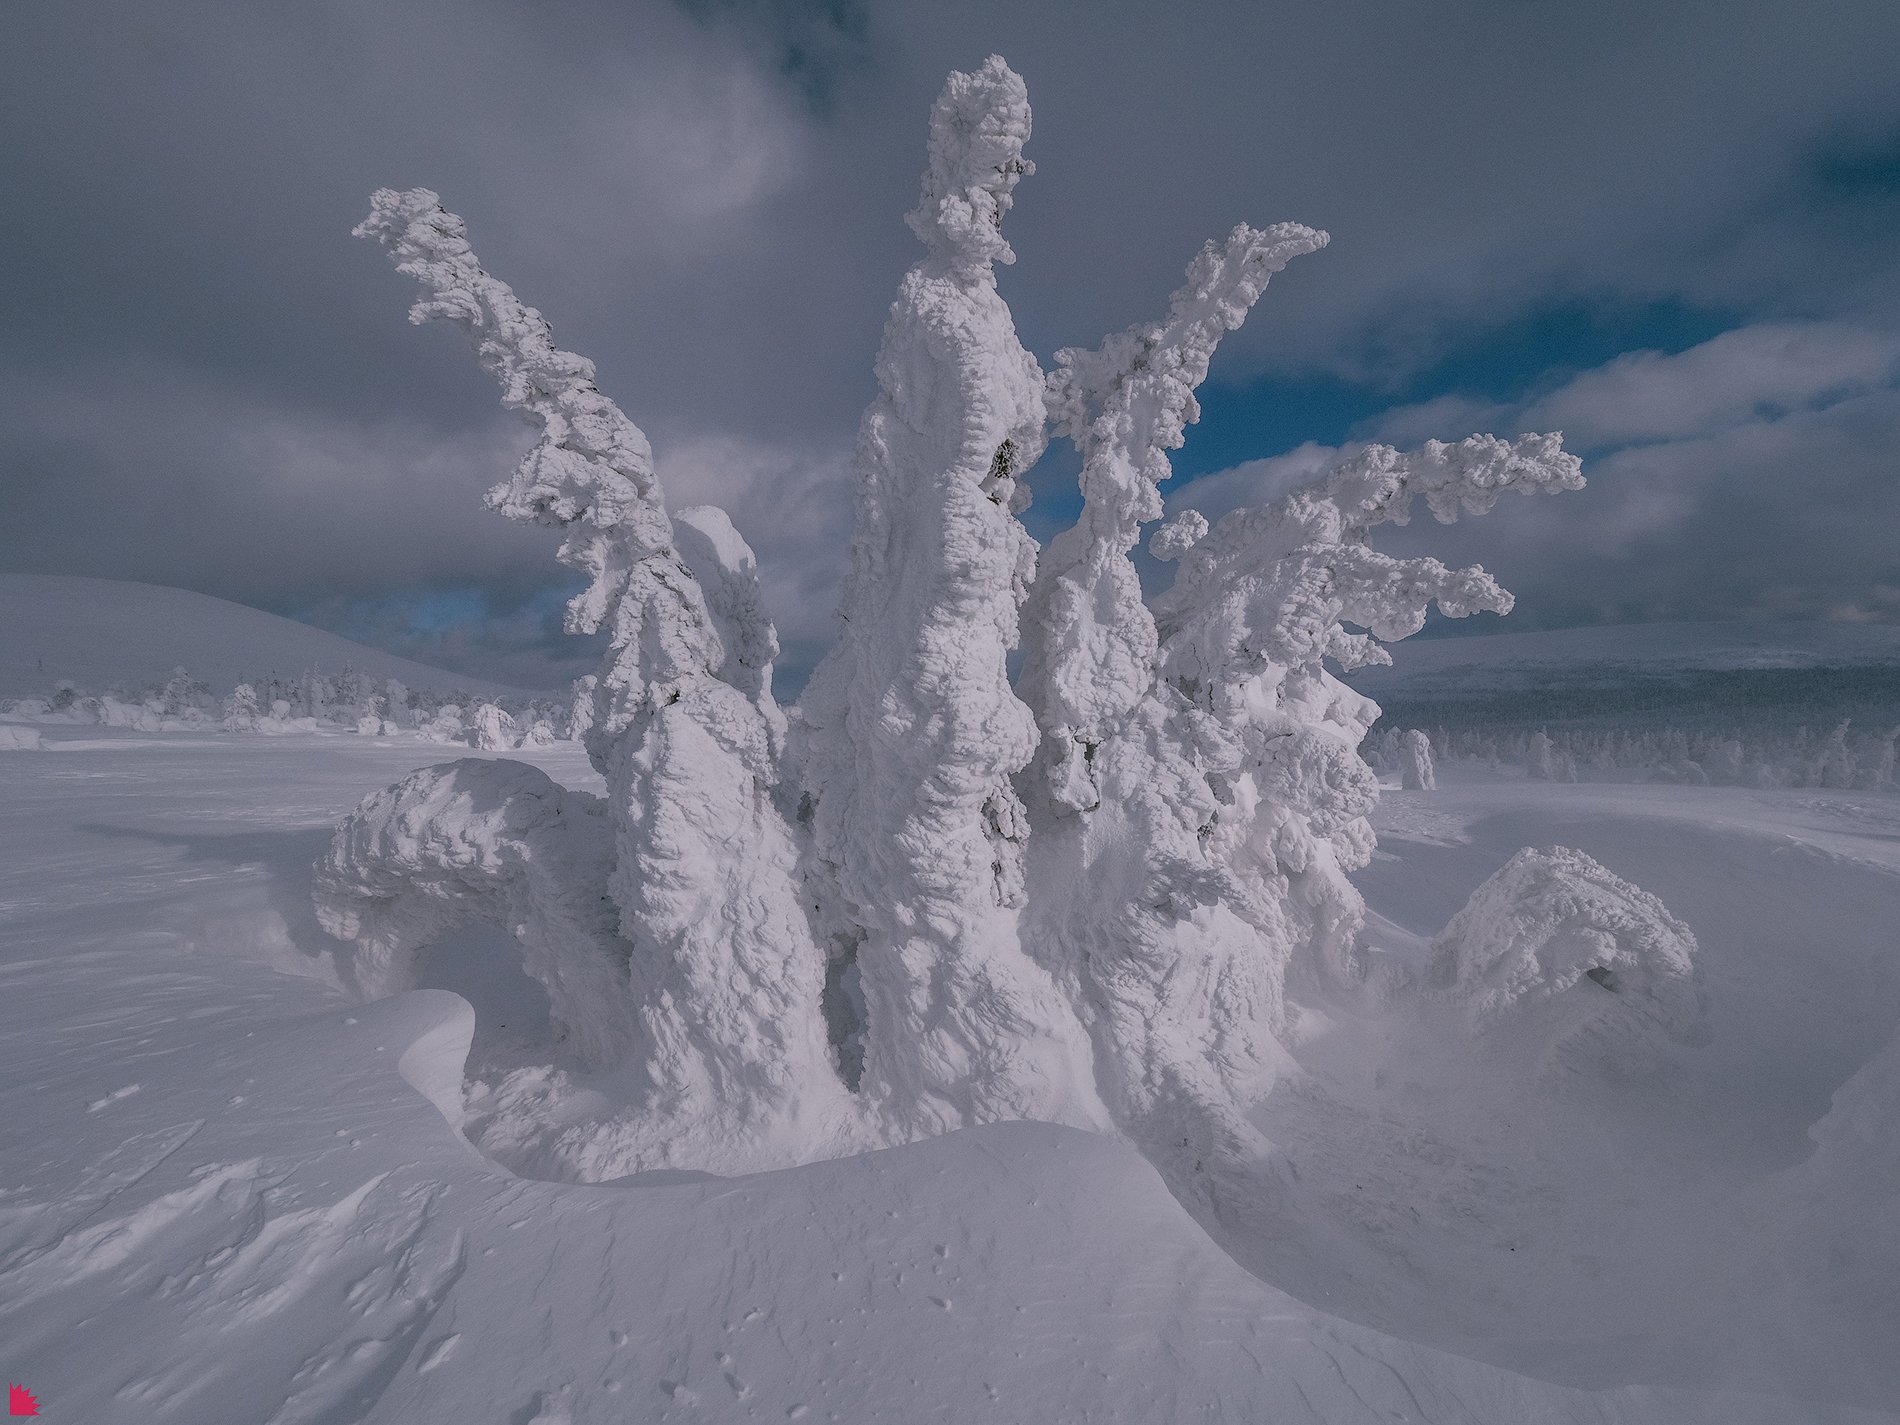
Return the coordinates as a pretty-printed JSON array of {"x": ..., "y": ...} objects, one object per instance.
[
  {"x": 102, "y": 634},
  {"x": 1737, "y": 671}
]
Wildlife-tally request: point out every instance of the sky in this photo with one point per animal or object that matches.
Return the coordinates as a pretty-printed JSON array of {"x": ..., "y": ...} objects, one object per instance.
[{"x": 1671, "y": 231}]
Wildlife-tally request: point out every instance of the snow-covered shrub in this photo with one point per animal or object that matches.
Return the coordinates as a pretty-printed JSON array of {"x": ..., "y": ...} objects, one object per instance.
[
  {"x": 445, "y": 726},
  {"x": 15, "y": 738},
  {"x": 1558, "y": 958},
  {"x": 931, "y": 896},
  {"x": 491, "y": 729}
]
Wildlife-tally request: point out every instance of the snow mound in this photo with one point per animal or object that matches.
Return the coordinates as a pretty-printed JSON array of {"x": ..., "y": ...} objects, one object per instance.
[
  {"x": 491, "y": 842},
  {"x": 1559, "y": 955},
  {"x": 115, "y": 634},
  {"x": 18, "y": 739}
]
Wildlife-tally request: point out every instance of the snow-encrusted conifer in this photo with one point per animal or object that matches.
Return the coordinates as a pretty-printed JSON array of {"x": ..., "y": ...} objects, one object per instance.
[
  {"x": 492, "y": 730},
  {"x": 725, "y": 975},
  {"x": 240, "y": 709},
  {"x": 912, "y": 731},
  {"x": 1127, "y": 941},
  {"x": 1231, "y": 799},
  {"x": 1415, "y": 762}
]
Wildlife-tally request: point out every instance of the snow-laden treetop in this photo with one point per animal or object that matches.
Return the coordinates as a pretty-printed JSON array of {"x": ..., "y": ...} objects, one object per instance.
[{"x": 977, "y": 132}]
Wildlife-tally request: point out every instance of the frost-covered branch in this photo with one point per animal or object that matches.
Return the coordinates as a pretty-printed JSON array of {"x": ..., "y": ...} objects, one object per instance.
[
  {"x": 1090, "y": 641},
  {"x": 1269, "y": 587},
  {"x": 591, "y": 475}
]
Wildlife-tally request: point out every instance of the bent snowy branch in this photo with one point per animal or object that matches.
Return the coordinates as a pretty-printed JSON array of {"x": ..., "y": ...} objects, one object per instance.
[{"x": 1090, "y": 640}]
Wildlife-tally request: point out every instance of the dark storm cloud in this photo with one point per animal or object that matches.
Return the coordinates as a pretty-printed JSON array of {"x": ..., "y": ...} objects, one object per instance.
[{"x": 206, "y": 382}]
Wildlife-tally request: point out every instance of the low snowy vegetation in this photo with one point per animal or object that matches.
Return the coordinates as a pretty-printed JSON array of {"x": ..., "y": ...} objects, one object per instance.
[
  {"x": 313, "y": 702},
  {"x": 1112, "y": 892}
]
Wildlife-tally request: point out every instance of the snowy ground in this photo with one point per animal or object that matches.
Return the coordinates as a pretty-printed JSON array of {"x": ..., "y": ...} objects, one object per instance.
[{"x": 227, "y": 1194}]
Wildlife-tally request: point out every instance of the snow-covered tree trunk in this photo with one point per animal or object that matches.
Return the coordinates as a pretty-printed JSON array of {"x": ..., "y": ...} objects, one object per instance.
[
  {"x": 912, "y": 731},
  {"x": 1089, "y": 640}
]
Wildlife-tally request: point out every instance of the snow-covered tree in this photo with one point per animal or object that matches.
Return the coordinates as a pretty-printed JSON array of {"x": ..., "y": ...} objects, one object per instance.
[
  {"x": 930, "y": 897},
  {"x": 1415, "y": 762},
  {"x": 491, "y": 729},
  {"x": 912, "y": 731}
]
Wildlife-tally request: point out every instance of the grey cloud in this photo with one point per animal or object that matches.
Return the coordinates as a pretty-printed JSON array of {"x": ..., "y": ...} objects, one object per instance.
[{"x": 707, "y": 200}]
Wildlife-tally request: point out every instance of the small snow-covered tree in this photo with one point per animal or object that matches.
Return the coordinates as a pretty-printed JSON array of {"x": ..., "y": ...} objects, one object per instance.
[
  {"x": 1415, "y": 762},
  {"x": 932, "y": 896},
  {"x": 240, "y": 709},
  {"x": 491, "y": 729}
]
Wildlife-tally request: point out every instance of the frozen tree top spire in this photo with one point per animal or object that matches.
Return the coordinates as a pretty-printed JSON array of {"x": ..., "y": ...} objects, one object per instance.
[
  {"x": 977, "y": 131},
  {"x": 592, "y": 473}
]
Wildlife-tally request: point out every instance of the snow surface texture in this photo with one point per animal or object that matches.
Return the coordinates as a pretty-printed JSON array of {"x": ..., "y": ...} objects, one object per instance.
[
  {"x": 924, "y": 902},
  {"x": 227, "y": 1194}
]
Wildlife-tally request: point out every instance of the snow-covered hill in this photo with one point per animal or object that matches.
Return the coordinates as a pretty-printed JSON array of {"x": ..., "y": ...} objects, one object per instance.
[
  {"x": 1679, "y": 672},
  {"x": 104, "y": 634}
]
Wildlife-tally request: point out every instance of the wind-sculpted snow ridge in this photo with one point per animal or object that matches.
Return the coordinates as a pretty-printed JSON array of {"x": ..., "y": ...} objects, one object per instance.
[
  {"x": 1558, "y": 958},
  {"x": 912, "y": 731},
  {"x": 923, "y": 902},
  {"x": 683, "y": 725}
]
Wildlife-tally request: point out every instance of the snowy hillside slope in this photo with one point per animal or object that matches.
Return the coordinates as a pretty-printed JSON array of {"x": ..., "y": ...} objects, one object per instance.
[
  {"x": 1682, "y": 672},
  {"x": 107, "y": 634},
  {"x": 228, "y": 1192}
]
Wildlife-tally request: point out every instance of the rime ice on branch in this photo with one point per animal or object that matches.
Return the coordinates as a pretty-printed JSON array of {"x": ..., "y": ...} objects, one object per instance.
[{"x": 912, "y": 729}]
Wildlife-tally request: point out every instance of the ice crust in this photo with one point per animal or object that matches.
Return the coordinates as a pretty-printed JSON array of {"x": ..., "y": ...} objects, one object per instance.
[{"x": 931, "y": 898}]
